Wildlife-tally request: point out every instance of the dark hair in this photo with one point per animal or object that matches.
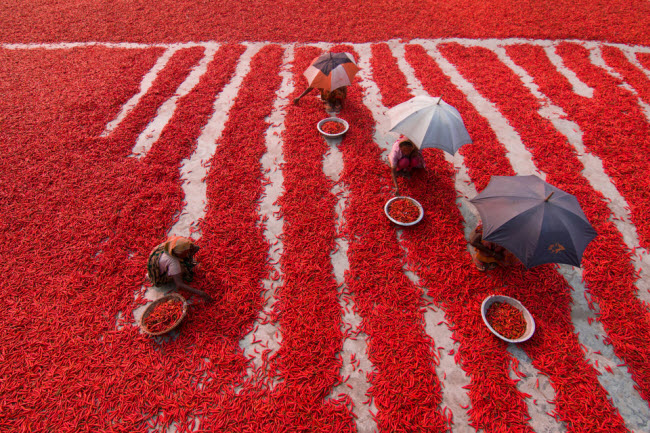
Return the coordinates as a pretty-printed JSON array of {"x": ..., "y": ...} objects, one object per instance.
[{"x": 406, "y": 143}]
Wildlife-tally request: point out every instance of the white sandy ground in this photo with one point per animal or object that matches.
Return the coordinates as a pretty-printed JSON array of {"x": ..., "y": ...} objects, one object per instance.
[
  {"x": 451, "y": 376},
  {"x": 267, "y": 334},
  {"x": 355, "y": 367},
  {"x": 145, "y": 85},
  {"x": 152, "y": 132},
  {"x": 619, "y": 385}
]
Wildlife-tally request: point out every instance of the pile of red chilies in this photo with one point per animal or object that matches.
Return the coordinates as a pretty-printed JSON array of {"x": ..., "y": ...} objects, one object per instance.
[
  {"x": 574, "y": 359},
  {"x": 570, "y": 373},
  {"x": 164, "y": 316},
  {"x": 403, "y": 210},
  {"x": 437, "y": 251},
  {"x": 332, "y": 127},
  {"x": 404, "y": 386},
  {"x": 609, "y": 275},
  {"x": 506, "y": 320},
  {"x": 88, "y": 345},
  {"x": 622, "y": 22}
]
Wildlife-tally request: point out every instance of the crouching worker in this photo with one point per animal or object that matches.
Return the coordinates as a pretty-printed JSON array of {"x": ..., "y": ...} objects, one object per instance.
[
  {"x": 332, "y": 99},
  {"x": 487, "y": 255},
  {"x": 404, "y": 158},
  {"x": 173, "y": 261}
]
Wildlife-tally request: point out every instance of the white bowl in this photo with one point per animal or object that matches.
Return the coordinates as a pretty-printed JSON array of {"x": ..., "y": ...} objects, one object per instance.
[
  {"x": 530, "y": 323},
  {"x": 333, "y": 119},
  {"x": 401, "y": 223}
]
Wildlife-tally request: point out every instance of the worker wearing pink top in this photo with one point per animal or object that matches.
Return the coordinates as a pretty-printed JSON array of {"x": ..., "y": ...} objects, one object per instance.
[
  {"x": 404, "y": 157},
  {"x": 173, "y": 262}
]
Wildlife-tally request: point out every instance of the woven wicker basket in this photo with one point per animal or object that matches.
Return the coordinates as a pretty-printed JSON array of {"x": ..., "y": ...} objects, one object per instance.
[{"x": 153, "y": 305}]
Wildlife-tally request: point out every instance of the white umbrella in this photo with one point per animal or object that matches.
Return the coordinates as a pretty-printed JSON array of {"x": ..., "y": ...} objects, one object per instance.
[{"x": 429, "y": 122}]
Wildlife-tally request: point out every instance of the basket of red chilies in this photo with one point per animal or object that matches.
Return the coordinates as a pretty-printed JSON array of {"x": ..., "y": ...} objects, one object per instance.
[
  {"x": 163, "y": 315},
  {"x": 404, "y": 211}
]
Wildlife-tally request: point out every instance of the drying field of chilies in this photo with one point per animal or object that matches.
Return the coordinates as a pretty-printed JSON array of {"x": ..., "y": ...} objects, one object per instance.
[{"x": 326, "y": 316}]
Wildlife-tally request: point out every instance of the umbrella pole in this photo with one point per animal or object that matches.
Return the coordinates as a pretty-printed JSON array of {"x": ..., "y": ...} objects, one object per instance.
[{"x": 549, "y": 196}]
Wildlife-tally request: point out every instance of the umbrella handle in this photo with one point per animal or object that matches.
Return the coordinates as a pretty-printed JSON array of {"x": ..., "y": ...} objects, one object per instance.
[{"x": 439, "y": 99}]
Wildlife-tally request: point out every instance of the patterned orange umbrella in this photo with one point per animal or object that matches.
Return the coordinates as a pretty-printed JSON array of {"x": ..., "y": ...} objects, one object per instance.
[{"x": 331, "y": 71}]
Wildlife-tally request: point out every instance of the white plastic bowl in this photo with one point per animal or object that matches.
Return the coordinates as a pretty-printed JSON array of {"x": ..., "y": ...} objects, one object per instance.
[
  {"x": 401, "y": 223},
  {"x": 333, "y": 119},
  {"x": 530, "y": 323}
]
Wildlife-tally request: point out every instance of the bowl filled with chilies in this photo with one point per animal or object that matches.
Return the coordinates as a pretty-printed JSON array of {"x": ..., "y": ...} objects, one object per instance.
[
  {"x": 507, "y": 318},
  {"x": 404, "y": 211},
  {"x": 333, "y": 127}
]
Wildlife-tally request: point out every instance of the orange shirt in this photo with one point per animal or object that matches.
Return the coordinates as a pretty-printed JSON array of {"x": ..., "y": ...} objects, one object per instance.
[{"x": 336, "y": 94}]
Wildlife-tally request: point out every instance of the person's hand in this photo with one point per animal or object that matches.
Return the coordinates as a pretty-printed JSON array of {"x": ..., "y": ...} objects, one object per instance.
[{"x": 207, "y": 298}]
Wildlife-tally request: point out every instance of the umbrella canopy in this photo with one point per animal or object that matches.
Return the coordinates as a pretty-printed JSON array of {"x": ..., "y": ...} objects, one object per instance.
[
  {"x": 331, "y": 71},
  {"x": 429, "y": 122},
  {"x": 534, "y": 220}
]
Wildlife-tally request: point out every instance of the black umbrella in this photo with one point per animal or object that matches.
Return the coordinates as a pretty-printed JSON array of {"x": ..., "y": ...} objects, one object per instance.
[{"x": 534, "y": 220}]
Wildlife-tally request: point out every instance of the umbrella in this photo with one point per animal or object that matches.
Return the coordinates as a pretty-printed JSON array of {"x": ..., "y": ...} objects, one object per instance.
[
  {"x": 331, "y": 71},
  {"x": 534, "y": 220},
  {"x": 429, "y": 122}
]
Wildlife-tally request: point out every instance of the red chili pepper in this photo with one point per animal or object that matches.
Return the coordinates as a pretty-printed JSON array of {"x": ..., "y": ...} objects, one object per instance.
[
  {"x": 54, "y": 208},
  {"x": 506, "y": 319},
  {"x": 332, "y": 127},
  {"x": 403, "y": 210},
  {"x": 164, "y": 315}
]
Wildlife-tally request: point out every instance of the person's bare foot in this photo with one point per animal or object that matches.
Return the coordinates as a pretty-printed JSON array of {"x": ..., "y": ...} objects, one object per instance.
[{"x": 479, "y": 264}]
